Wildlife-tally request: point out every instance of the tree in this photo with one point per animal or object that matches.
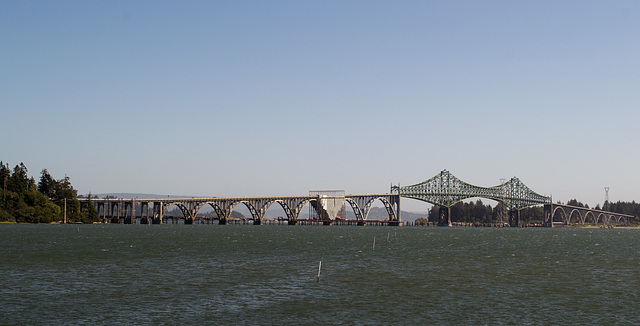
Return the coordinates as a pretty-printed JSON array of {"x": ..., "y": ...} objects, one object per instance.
[
  {"x": 5, "y": 173},
  {"x": 575, "y": 202},
  {"x": 19, "y": 180},
  {"x": 63, "y": 192},
  {"x": 46, "y": 184},
  {"x": 89, "y": 214}
]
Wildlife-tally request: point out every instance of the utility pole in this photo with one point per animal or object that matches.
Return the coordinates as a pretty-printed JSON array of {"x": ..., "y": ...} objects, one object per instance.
[{"x": 65, "y": 211}]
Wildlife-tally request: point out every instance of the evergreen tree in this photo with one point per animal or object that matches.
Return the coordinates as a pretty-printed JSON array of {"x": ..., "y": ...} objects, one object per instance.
[
  {"x": 65, "y": 194},
  {"x": 46, "y": 184},
  {"x": 19, "y": 180},
  {"x": 5, "y": 173}
]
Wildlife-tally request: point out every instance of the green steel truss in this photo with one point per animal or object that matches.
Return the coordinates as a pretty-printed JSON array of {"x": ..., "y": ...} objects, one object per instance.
[{"x": 445, "y": 189}]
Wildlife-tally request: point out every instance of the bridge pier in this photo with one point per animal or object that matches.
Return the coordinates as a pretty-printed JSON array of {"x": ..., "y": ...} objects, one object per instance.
[
  {"x": 548, "y": 215},
  {"x": 445, "y": 216},
  {"x": 223, "y": 221},
  {"x": 514, "y": 218}
]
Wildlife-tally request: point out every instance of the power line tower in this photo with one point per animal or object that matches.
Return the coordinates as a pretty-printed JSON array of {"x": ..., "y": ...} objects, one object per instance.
[{"x": 606, "y": 199}]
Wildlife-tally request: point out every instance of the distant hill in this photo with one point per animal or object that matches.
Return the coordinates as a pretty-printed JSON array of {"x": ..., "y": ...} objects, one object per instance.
[
  {"x": 135, "y": 195},
  {"x": 380, "y": 213}
]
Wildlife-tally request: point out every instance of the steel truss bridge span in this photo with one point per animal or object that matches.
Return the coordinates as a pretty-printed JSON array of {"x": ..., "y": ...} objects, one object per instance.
[
  {"x": 445, "y": 190},
  {"x": 154, "y": 210}
]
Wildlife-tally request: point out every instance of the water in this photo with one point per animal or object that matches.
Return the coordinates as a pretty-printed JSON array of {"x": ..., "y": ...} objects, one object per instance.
[{"x": 264, "y": 275}]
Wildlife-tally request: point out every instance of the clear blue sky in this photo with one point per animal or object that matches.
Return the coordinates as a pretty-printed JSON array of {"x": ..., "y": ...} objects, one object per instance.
[{"x": 228, "y": 98}]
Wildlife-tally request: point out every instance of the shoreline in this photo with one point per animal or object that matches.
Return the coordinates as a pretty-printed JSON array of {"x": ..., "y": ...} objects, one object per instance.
[{"x": 462, "y": 225}]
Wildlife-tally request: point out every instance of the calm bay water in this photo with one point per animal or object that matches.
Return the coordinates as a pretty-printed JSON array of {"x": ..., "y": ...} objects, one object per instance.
[{"x": 240, "y": 274}]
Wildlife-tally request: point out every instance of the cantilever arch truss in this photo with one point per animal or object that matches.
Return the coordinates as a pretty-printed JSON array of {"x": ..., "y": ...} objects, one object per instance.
[{"x": 445, "y": 190}]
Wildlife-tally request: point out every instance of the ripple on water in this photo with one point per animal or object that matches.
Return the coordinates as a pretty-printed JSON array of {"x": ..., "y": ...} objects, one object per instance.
[{"x": 114, "y": 274}]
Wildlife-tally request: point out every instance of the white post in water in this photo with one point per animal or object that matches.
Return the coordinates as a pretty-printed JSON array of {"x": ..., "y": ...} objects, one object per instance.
[
  {"x": 319, "y": 267},
  {"x": 65, "y": 211}
]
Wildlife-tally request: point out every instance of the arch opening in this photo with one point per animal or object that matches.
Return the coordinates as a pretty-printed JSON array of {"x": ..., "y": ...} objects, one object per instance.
[
  {"x": 175, "y": 213},
  {"x": 575, "y": 217},
  {"x": 276, "y": 213},
  {"x": 241, "y": 214},
  {"x": 558, "y": 217}
]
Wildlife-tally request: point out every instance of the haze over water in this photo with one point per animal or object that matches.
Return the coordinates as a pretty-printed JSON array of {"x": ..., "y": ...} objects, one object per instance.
[{"x": 241, "y": 274}]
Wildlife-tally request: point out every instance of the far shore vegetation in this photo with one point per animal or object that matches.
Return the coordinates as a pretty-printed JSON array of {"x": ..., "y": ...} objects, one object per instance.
[{"x": 22, "y": 200}]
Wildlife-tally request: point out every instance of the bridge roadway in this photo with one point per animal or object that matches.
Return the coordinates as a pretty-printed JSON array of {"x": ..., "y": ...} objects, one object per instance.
[{"x": 326, "y": 206}]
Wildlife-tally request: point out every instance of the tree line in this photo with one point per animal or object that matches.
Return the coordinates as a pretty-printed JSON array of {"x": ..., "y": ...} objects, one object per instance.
[
  {"x": 479, "y": 213},
  {"x": 22, "y": 200}
]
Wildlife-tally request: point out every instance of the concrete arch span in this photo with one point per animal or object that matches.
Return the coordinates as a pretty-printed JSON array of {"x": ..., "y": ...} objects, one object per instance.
[
  {"x": 559, "y": 211},
  {"x": 293, "y": 208},
  {"x": 186, "y": 213},
  {"x": 114, "y": 209},
  {"x": 577, "y": 216},
  {"x": 566, "y": 214},
  {"x": 362, "y": 204},
  {"x": 255, "y": 214},
  {"x": 258, "y": 207}
]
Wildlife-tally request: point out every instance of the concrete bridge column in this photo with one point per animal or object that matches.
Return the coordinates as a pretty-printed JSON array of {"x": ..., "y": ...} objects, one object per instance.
[
  {"x": 157, "y": 213},
  {"x": 115, "y": 216},
  {"x": 548, "y": 218},
  {"x": 104, "y": 211},
  {"x": 128, "y": 207},
  {"x": 144, "y": 219},
  {"x": 514, "y": 218},
  {"x": 445, "y": 216}
]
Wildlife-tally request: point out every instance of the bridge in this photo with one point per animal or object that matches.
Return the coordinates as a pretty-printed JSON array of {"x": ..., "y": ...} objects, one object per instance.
[
  {"x": 325, "y": 204},
  {"x": 443, "y": 190}
]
